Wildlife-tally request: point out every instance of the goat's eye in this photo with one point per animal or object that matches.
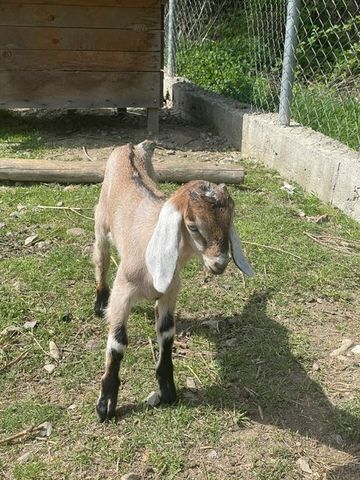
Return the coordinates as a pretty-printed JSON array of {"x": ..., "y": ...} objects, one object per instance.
[{"x": 192, "y": 228}]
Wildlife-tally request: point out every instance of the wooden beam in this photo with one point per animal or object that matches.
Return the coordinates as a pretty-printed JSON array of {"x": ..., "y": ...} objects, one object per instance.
[{"x": 20, "y": 170}]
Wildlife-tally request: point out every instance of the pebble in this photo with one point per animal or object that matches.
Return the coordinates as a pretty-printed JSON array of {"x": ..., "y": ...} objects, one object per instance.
[
  {"x": 212, "y": 454},
  {"x": 356, "y": 350},
  {"x": 153, "y": 399},
  {"x": 2, "y": 225}
]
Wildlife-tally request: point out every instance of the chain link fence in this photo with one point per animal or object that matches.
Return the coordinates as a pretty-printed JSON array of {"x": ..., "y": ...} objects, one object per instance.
[{"x": 236, "y": 48}]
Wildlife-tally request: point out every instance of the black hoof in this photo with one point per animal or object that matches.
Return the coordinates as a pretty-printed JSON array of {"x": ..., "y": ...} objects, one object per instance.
[
  {"x": 168, "y": 394},
  {"x": 102, "y": 298},
  {"x": 106, "y": 407}
]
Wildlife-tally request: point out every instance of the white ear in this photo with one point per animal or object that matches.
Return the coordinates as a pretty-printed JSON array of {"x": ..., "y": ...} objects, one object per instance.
[
  {"x": 238, "y": 254},
  {"x": 163, "y": 249}
]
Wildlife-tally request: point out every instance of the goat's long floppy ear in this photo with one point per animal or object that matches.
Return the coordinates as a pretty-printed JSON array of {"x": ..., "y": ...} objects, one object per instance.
[
  {"x": 163, "y": 249},
  {"x": 238, "y": 254}
]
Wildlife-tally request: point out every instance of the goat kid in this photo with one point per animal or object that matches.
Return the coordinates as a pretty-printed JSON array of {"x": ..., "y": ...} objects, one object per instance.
[{"x": 155, "y": 237}]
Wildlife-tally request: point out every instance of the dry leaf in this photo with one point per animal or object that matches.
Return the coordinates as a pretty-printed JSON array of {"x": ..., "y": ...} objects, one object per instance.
[
  {"x": 304, "y": 465},
  {"x": 30, "y": 324},
  {"x": 54, "y": 352},
  {"x": 49, "y": 367},
  {"x": 31, "y": 240}
]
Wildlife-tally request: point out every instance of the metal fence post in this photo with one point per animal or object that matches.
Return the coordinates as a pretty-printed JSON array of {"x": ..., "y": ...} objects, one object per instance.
[
  {"x": 289, "y": 60},
  {"x": 171, "y": 38}
]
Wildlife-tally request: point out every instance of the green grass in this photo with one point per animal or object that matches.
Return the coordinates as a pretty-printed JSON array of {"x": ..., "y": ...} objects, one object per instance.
[
  {"x": 260, "y": 355},
  {"x": 226, "y": 65}
]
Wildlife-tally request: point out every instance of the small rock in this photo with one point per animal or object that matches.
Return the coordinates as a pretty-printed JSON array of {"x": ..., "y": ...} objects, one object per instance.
[
  {"x": 72, "y": 406},
  {"x": 2, "y": 225},
  {"x": 31, "y": 240},
  {"x": 14, "y": 215},
  {"x": 153, "y": 399},
  {"x": 131, "y": 476},
  {"x": 345, "y": 345},
  {"x": 76, "y": 232},
  {"x": 190, "y": 383},
  {"x": 60, "y": 204},
  {"x": 49, "y": 367},
  {"x": 211, "y": 454},
  {"x": 21, "y": 208},
  {"x": 304, "y": 465},
  {"x": 316, "y": 367},
  {"x": 46, "y": 429},
  {"x": 30, "y": 324},
  {"x": 356, "y": 350}
]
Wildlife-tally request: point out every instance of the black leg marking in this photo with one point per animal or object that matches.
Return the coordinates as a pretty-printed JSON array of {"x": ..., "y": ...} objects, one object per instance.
[
  {"x": 102, "y": 298},
  {"x": 120, "y": 335},
  {"x": 167, "y": 323},
  {"x": 164, "y": 373},
  {"x": 106, "y": 404}
]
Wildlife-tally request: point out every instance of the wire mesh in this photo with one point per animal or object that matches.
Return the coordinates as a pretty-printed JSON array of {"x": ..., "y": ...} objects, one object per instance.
[{"x": 235, "y": 47}]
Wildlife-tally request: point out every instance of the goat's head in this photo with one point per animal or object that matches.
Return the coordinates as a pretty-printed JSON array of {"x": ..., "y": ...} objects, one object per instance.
[{"x": 203, "y": 212}]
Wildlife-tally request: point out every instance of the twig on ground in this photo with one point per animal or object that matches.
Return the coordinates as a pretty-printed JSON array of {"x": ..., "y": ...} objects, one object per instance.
[
  {"x": 21, "y": 435},
  {"x": 346, "y": 247},
  {"x": 13, "y": 362},
  {"x": 55, "y": 207},
  {"x": 70, "y": 209},
  {"x": 84, "y": 149},
  {"x": 192, "y": 371},
  {"x": 270, "y": 247},
  {"x": 114, "y": 261},
  {"x": 152, "y": 349}
]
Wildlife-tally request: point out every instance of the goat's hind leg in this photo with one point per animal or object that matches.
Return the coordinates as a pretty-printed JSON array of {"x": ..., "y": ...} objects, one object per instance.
[
  {"x": 120, "y": 303},
  {"x": 101, "y": 258}
]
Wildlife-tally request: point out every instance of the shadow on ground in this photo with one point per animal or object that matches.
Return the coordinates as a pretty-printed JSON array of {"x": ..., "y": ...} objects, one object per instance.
[{"x": 258, "y": 367}]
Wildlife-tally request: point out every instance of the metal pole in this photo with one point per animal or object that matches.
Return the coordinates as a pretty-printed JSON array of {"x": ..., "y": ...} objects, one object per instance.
[
  {"x": 289, "y": 61},
  {"x": 171, "y": 38}
]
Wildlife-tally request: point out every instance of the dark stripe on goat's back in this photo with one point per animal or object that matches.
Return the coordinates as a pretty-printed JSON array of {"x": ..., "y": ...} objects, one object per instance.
[{"x": 141, "y": 179}]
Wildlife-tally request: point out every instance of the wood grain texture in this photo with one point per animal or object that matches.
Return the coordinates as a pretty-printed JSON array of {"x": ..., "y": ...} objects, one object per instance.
[
  {"x": 138, "y": 19},
  {"x": 61, "y": 60},
  {"x": 53, "y": 38},
  {"x": 92, "y": 3},
  {"x": 93, "y": 172},
  {"x": 50, "y": 89}
]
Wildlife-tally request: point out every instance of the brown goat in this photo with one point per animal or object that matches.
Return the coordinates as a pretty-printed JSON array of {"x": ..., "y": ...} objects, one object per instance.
[{"x": 155, "y": 237}]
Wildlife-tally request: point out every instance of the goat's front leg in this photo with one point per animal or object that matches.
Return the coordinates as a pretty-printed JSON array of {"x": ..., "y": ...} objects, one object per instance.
[
  {"x": 165, "y": 328},
  {"x": 120, "y": 303},
  {"x": 101, "y": 258}
]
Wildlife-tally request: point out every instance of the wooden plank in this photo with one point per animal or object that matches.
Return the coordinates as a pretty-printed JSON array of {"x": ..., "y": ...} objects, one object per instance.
[
  {"x": 92, "y": 172},
  {"x": 138, "y": 19},
  {"x": 63, "y": 60},
  {"x": 52, "y": 38},
  {"x": 92, "y": 3},
  {"x": 49, "y": 89}
]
